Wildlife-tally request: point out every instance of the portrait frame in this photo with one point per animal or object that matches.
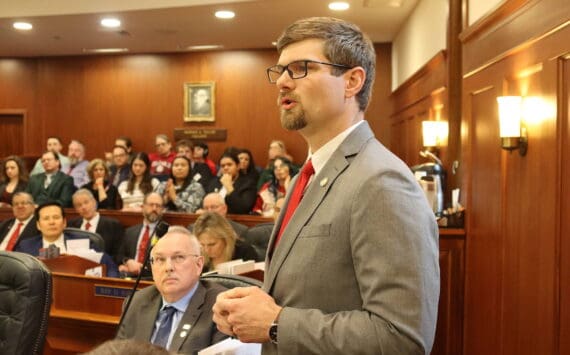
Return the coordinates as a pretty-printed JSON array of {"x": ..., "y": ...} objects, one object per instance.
[{"x": 200, "y": 101}]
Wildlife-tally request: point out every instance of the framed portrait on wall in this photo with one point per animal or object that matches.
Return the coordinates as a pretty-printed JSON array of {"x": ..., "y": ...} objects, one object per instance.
[{"x": 199, "y": 102}]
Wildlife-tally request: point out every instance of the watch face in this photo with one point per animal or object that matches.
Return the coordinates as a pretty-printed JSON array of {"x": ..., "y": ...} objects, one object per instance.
[{"x": 273, "y": 333}]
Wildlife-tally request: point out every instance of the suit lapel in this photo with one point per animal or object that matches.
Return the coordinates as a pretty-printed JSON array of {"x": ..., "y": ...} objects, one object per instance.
[
  {"x": 145, "y": 325},
  {"x": 313, "y": 197},
  {"x": 189, "y": 319}
]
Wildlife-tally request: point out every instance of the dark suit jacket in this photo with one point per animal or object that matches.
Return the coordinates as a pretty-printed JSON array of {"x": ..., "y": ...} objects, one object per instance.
[
  {"x": 112, "y": 232},
  {"x": 243, "y": 198},
  {"x": 202, "y": 174},
  {"x": 357, "y": 267},
  {"x": 139, "y": 320},
  {"x": 123, "y": 174},
  {"x": 30, "y": 231},
  {"x": 60, "y": 189},
  {"x": 128, "y": 245},
  {"x": 33, "y": 245}
]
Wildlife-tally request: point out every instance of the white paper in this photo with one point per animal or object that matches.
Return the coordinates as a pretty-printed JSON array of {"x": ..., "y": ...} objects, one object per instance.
[
  {"x": 77, "y": 244},
  {"x": 97, "y": 271},
  {"x": 240, "y": 268},
  {"x": 232, "y": 346}
]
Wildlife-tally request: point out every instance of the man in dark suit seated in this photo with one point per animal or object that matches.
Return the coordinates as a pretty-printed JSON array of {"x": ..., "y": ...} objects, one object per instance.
[
  {"x": 52, "y": 184},
  {"x": 51, "y": 223},
  {"x": 108, "y": 228},
  {"x": 214, "y": 202},
  {"x": 22, "y": 226},
  {"x": 138, "y": 237},
  {"x": 121, "y": 168},
  {"x": 176, "y": 312}
]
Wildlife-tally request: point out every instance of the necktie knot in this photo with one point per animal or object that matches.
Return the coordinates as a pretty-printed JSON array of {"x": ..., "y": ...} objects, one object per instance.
[{"x": 308, "y": 169}]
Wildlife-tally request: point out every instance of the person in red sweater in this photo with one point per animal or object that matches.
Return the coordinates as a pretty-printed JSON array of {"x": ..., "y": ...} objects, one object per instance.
[{"x": 161, "y": 160}]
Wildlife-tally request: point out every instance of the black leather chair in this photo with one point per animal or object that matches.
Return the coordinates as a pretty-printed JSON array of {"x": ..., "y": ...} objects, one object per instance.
[
  {"x": 25, "y": 299},
  {"x": 258, "y": 236},
  {"x": 231, "y": 281},
  {"x": 95, "y": 240}
]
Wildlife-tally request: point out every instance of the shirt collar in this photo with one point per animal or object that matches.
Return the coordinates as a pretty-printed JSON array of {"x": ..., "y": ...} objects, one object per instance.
[
  {"x": 182, "y": 303},
  {"x": 324, "y": 153},
  {"x": 93, "y": 221}
]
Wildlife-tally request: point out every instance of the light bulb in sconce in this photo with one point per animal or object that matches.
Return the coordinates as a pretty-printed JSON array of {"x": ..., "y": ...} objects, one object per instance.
[
  {"x": 513, "y": 134},
  {"x": 434, "y": 133}
]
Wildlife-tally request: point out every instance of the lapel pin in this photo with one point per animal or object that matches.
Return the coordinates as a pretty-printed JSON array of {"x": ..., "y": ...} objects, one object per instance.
[
  {"x": 324, "y": 182},
  {"x": 183, "y": 333},
  {"x": 186, "y": 326}
]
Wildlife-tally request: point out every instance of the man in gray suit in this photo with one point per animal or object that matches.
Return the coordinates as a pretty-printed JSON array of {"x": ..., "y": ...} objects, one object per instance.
[
  {"x": 355, "y": 269},
  {"x": 176, "y": 312}
]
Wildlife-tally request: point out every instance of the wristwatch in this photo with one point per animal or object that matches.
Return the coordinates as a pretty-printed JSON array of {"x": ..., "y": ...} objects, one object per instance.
[{"x": 273, "y": 333}]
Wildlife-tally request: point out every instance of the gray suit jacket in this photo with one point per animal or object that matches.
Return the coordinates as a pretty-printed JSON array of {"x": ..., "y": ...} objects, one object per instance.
[
  {"x": 356, "y": 268},
  {"x": 139, "y": 321}
]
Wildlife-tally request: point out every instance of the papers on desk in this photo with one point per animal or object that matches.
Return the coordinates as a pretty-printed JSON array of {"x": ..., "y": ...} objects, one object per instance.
[
  {"x": 232, "y": 347},
  {"x": 80, "y": 248},
  {"x": 235, "y": 267}
]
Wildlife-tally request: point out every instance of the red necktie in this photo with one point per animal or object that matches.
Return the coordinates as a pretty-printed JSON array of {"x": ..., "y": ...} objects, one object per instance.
[
  {"x": 87, "y": 226},
  {"x": 14, "y": 237},
  {"x": 143, "y": 245},
  {"x": 296, "y": 196}
]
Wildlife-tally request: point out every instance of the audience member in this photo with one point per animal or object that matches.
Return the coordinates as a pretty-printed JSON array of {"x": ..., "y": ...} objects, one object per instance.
[
  {"x": 214, "y": 202},
  {"x": 352, "y": 265},
  {"x": 238, "y": 191},
  {"x": 274, "y": 189},
  {"x": 199, "y": 172},
  {"x": 22, "y": 226},
  {"x": 13, "y": 178},
  {"x": 175, "y": 312},
  {"x": 127, "y": 347},
  {"x": 137, "y": 238},
  {"x": 276, "y": 149},
  {"x": 140, "y": 183},
  {"x": 180, "y": 192},
  {"x": 247, "y": 165},
  {"x": 51, "y": 223},
  {"x": 161, "y": 160},
  {"x": 200, "y": 154},
  {"x": 54, "y": 145},
  {"x": 126, "y": 143},
  {"x": 52, "y": 184},
  {"x": 219, "y": 241},
  {"x": 90, "y": 220},
  {"x": 105, "y": 193},
  {"x": 77, "y": 164},
  {"x": 121, "y": 169}
]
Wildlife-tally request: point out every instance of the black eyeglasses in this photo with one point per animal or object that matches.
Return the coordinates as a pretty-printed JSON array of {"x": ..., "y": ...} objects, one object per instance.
[{"x": 296, "y": 69}]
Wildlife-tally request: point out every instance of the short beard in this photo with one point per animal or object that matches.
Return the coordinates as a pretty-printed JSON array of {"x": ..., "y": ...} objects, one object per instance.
[
  {"x": 152, "y": 217},
  {"x": 73, "y": 160},
  {"x": 293, "y": 121}
]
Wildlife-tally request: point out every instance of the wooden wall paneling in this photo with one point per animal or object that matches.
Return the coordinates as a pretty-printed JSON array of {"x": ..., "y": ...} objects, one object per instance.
[
  {"x": 12, "y": 132},
  {"x": 530, "y": 224},
  {"x": 512, "y": 252},
  {"x": 399, "y": 139},
  {"x": 520, "y": 22},
  {"x": 448, "y": 338},
  {"x": 18, "y": 95},
  {"x": 381, "y": 105},
  {"x": 564, "y": 204},
  {"x": 484, "y": 245}
]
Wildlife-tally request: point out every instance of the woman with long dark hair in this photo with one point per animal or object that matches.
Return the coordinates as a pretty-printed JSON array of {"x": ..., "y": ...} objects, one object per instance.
[
  {"x": 274, "y": 189},
  {"x": 247, "y": 165},
  {"x": 13, "y": 178},
  {"x": 180, "y": 192},
  {"x": 139, "y": 183},
  {"x": 238, "y": 191},
  {"x": 105, "y": 193}
]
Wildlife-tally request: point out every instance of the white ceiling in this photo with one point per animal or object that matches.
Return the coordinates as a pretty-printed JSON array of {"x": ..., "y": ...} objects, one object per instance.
[{"x": 67, "y": 27}]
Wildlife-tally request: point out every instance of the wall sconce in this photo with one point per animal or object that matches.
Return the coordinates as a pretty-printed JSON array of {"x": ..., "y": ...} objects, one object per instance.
[
  {"x": 434, "y": 134},
  {"x": 513, "y": 135}
]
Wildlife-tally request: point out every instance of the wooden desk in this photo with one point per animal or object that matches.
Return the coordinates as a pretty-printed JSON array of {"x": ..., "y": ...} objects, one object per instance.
[
  {"x": 128, "y": 218},
  {"x": 85, "y": 312}
]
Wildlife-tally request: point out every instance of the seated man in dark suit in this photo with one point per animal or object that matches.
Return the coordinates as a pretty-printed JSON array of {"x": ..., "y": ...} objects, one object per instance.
[
  {"x": 137, "y": 238},
  {"x": 214, "y": 202},
  {"x": 52, "y": 184},
  {"x": 121, "y": 168},
  {"x": 108, "y": 228},
  {"x": 22, "y": 226},
  {"x": 51, "y": 223},
  {"x": 176, "y": 312}
]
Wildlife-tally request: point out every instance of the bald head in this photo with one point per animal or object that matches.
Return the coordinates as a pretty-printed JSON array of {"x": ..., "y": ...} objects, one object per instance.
[{"x": 214, "y": 202}]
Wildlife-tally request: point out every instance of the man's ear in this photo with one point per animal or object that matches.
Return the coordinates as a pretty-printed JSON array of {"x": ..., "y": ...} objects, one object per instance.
[{"x": 355, "y": 79}]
